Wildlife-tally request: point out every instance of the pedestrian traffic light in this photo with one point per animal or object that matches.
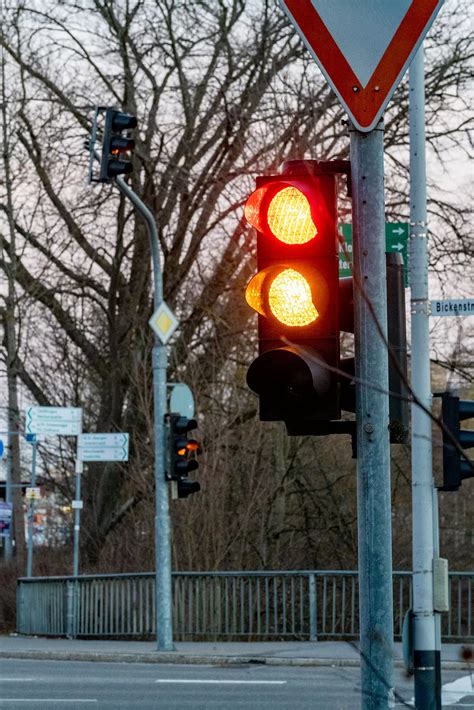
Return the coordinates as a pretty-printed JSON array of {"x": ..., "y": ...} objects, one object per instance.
[
  {"x": 181, "y": 455},
  {"x": 116, "y": 148},
  {"x": 455, "y": 467},
  {"x": 297, "y": 296}
]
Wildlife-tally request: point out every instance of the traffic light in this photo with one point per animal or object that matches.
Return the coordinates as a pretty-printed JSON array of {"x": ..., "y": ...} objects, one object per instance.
[
  {"x": 455, "y": 468},
  {"x": 298, "y": 297},
  {"x": 115, "y": 146},
  {"x": 181, "y": 456}
]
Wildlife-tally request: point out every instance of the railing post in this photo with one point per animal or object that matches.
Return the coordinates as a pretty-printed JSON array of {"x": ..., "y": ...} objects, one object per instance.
[
  {"x": 313, "y": 608},
  {"x": 71, "y": 605}
]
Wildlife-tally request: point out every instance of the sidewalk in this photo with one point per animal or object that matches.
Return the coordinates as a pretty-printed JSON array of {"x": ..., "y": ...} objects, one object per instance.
[{"x": 300, "y": 653}]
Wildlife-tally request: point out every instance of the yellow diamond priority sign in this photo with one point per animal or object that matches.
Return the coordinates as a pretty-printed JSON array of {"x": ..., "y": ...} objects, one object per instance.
[{"x": 164, "y": 322}]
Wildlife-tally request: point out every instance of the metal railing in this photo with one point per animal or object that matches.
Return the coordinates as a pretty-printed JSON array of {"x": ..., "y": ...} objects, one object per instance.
[{"x": 223, "y": 605}]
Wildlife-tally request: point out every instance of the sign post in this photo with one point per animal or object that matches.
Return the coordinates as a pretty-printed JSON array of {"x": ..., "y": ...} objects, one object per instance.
[
  {"x": 426, "y": 635},
  {"x": 60, "y": 421},
  {"x": 31, "y": 506},
  {"x": 372, "y": 419},
  {"x": 363, "y": 49}
]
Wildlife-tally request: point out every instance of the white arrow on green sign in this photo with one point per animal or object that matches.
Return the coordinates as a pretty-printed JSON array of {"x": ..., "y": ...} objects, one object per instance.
[{"x": 396, "y": 240}]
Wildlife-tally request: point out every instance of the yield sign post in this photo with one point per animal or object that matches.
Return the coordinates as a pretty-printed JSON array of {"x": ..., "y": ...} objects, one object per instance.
[{"x": 362, "y": 47}]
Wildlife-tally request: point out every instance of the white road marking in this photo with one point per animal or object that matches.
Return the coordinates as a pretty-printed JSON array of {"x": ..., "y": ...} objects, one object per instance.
[
  {"x": 452, "y": 693},
  {"x": 17, "y": 680},
  {"x": 48, "y": 700},
  {"x": 223, "y": 682}
]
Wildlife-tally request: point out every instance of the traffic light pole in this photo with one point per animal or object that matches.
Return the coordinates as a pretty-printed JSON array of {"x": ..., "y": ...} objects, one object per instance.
[
  {"x": 427, "y": 658},
  {"x": 372, "y": 415},
  {"x": 164, "y": 626}
]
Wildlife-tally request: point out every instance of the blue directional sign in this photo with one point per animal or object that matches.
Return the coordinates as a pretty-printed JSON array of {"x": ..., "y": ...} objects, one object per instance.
[
  {"x": 2, "y": 448},
  {"x": 396, "y": 240}
]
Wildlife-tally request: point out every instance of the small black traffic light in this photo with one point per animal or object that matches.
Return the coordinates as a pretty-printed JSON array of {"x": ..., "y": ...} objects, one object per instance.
[
  {"x": 455, "y": 467},
  {"x": 115, "y": 146},
  {"x": 181, "y": 453},
  {"x": 300, "y": 300}
]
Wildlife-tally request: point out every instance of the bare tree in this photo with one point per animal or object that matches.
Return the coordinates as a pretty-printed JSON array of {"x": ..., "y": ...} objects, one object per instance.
[{"x": 222, "y": 91}]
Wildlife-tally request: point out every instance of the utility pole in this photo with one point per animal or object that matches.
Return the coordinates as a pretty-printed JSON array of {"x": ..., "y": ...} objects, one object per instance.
[
  {"x": 77, "y": 503},
  {"x": 427, "y": 659},
  {"x": 372, "y": 416}
]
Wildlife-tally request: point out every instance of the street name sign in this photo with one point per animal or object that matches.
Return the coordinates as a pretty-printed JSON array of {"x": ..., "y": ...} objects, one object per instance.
[
  {"x": 47, "y": 421},
  {"x": 396, "y": 240},
  {"x": 363, "y": 48},
  {"x": 103, "y": 447},
  {"x": 453, "y": 307}
]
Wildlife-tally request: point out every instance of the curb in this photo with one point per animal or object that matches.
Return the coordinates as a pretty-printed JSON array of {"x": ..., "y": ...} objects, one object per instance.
[{"x": 176, "y": 659}]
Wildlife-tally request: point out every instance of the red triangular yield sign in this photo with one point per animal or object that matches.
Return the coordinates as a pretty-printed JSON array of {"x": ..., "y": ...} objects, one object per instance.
[{"x": 363, "y": 47}]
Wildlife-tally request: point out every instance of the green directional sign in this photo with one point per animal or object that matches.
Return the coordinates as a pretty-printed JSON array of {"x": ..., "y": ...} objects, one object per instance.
[{"x": 396, "y": 240}]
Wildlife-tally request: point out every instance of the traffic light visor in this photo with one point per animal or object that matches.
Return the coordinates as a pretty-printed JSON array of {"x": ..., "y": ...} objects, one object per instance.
[
  {"x": 284, "y": 293},
  {"x": 123, "y": 121},
  {"x": 282, "y": 211},
  {"x": 120, "y": 144}
]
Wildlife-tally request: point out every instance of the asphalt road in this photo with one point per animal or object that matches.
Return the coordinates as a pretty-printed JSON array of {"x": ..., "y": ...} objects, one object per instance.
[{"x": 54, "y": 685}]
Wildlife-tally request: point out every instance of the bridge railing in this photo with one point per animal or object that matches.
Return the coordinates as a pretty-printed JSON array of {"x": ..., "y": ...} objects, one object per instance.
[{"x": 273, "y": 605}]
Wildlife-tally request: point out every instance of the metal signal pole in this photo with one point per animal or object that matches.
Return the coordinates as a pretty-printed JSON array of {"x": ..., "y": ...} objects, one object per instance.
[
  {"x": 163, "y": 597},
  {"x": 372, "y": 415},
  {"x": 164, "y": 623},
  {"x": 427, "y": 661}
]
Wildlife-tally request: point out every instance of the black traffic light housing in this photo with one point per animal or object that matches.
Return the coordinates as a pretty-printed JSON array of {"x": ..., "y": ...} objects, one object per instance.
[
  {"x": 296, "y": 373},
  {"x": 299, "y": 375},
  {"x": 115, "y": 146},
  {"x": 456, "y": 468},
  {"x": 181, "y": 452}
]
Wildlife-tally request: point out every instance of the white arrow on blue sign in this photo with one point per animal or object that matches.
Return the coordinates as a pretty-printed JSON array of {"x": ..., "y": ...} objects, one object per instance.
[{"x": 103, "y": 447}]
